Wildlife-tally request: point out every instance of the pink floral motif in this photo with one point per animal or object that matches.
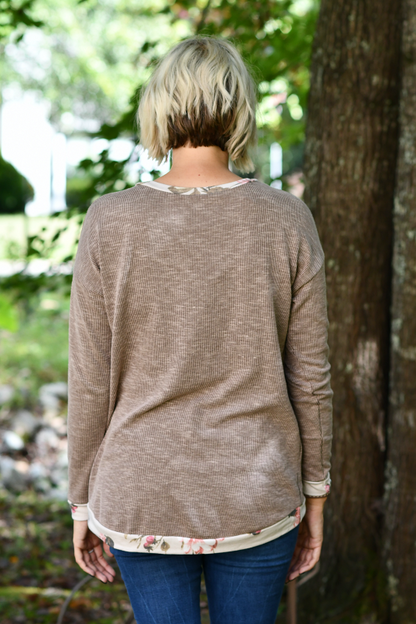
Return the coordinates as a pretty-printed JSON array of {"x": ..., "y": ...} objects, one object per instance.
[
  {"x": 327, "y": 488},
  {"x": 102, "y": 537},
  {"x": 150, "y": 540},
  {"x": 199, "y": 551},
  {"x": 296, "y": 519},
  {"x": 191, "y": 542},
  {"x": 220, "y": 539},
  {"x": 74, "y": 508}
]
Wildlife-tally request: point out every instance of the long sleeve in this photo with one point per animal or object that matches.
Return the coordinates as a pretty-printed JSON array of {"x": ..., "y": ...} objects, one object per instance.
[
  {"x": 88, "y": 366},
  {"x": 307, "y": 372}
]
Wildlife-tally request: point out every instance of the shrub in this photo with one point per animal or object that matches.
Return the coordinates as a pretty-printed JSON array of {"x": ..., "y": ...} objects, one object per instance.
[{"x": 15, "y": 190}]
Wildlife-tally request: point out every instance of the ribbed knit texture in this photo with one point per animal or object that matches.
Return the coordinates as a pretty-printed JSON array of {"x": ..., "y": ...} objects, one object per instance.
[{"x": 199, "y": 381}]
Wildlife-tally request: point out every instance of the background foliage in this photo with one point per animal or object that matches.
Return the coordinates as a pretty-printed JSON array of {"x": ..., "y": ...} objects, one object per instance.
[{"x": 89, "y": 59}]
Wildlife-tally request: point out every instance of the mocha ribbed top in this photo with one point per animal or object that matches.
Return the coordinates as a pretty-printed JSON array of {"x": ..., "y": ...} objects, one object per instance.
[{"x": 199, "y": 381}]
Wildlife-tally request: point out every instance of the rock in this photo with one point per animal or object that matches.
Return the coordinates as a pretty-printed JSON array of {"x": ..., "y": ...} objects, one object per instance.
[
  {"x": 49, "y": 415},
  {"x": 38, "y": 470},
  {"x": 24, "y": 423},
  {"x": 12, "y": 441},
  {"x": 59, "y": 475},
  {"x": 14, "y": 475},
  {"x": 62, "y": 461},
  {"x": 46, "y": 440},
  {"x": 42, "y": 485},
  {"x": 55, "y": 422},
  {"x": 59, "y": 493},
  {"x": 39, "y": 475},
  {"x": 48, "y": 400},
  {"x": 6, "y": 394},
  {"x": 49, "y": 394}
]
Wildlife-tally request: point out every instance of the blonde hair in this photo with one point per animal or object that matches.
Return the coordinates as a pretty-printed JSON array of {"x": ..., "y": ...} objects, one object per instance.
[{"x": 201, "y": 92}]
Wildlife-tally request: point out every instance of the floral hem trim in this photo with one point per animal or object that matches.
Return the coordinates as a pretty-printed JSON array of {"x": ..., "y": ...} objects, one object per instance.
[
  {"x": 79, "y": 512},
  {"x": 173, "y": 545},
  {"x": 317, "y": 489}
]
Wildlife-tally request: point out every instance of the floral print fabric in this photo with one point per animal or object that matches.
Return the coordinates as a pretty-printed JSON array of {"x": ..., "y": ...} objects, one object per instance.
[{"x": 173, "y": 545}]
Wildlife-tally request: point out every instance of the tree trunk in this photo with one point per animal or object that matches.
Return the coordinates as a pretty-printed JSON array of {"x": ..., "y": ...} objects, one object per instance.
[
  {"x": 400, "y": 491},
  {"x": 350, "y": 159}
]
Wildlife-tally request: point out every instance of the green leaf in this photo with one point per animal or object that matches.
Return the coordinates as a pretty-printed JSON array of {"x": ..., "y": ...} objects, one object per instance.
[{"x": 8, "y": 314}]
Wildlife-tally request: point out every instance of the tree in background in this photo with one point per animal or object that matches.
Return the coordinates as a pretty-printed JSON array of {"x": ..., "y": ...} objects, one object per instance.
[
  {"x": 16, "y": 18},
  {"x": 399, "y": 535},
  {"x": 353, "y": 181},
  {"x": 15, "y": 190}
]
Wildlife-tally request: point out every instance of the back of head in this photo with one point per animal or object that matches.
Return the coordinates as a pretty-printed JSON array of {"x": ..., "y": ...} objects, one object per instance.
[{"x": 201, "y": 93}]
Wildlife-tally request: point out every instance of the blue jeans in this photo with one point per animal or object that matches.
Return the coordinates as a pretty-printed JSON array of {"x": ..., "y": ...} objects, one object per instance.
[{"x": 243, "y": 586}]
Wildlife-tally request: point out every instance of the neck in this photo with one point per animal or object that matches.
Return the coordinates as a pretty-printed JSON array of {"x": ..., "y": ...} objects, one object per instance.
[{"x": 199, "y": 166}]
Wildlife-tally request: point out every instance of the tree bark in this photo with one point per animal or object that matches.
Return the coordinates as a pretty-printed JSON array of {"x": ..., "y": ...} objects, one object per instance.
[
  {"x": 400, "y": 488},
  {"x": 349, "y": 167}
]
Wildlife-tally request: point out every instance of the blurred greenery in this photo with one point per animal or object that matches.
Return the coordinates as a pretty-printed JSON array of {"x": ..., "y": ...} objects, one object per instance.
[
  {"x": 15, "y": 190},
  {"x": 8, "y": 314},
  {"x": 16, "y": 229},
  {"x": 77, "y": 192},
  {"x": 90, "y": 59},
  {"x": 15, "y": 17},
  {"x": 34, "y": 349},
  {"x": 87, "y": 57}
]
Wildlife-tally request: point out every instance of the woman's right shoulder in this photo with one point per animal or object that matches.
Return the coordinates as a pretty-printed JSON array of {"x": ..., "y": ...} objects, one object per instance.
[{"x": 291, "y": 210}]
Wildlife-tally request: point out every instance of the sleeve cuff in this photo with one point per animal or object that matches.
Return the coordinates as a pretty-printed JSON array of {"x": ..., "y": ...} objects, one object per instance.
[
  {"x": 317, "y": 489},
  {"x": 79, "y": 512}
]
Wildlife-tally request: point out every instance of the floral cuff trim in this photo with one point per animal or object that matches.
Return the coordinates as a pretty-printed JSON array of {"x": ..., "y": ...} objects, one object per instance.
[
  {"x": 79, "y": 512},
  {"x": 317, "y": 489}
]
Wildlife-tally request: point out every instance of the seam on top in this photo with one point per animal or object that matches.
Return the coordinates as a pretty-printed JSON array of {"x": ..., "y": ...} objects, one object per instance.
[{"x": 310, "y": 279}]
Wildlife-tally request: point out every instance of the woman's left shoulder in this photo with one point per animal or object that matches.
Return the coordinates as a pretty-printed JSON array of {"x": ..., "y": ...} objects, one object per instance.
[{"x": 109, "y": 203}]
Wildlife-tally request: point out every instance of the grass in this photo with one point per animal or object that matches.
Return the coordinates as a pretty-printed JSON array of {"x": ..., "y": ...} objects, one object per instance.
[{"x": 37, "y": 353}]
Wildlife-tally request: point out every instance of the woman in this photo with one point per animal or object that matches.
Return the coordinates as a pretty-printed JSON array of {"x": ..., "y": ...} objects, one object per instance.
[{"x": 200, "y": 405}]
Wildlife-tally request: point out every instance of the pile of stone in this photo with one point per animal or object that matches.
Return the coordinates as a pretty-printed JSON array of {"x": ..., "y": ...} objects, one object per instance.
[{"x": 33, "y": 444}]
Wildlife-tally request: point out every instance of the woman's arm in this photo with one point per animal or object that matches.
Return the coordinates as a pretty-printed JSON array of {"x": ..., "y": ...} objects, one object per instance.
[
  {"x": 88, "y": 364},
  {"x": 310, "y": 537},
  {"x": 307, "y": 372},
  {"x": 92, "y": 563},
  {"x": 88, "y": 393}
]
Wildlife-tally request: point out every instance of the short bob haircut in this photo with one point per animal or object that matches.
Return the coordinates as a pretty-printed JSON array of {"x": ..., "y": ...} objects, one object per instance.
[{"x": 201, "y": 92}]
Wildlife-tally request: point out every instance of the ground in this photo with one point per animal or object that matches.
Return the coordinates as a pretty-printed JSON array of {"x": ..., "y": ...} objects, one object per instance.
[{"x": 38, "y": 572}]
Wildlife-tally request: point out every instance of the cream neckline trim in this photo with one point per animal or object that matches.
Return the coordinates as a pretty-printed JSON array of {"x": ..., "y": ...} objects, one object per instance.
[{"x": 194, "y": 190}]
